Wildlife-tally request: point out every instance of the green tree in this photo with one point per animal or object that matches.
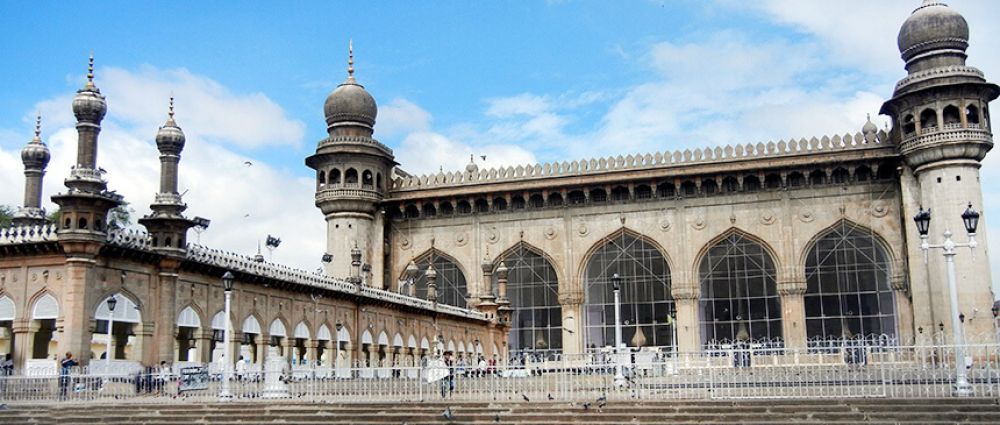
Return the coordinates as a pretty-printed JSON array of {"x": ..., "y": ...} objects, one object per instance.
[{"x": 6, "y": 215}]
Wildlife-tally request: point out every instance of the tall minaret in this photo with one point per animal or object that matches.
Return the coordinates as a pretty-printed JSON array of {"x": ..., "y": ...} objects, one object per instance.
[
  {"x": 83, "y": 212},
  {"x": 166, "y": 225},
  {"x": 352, "y": 174},
  {"x": 942, "y": 129},
  {"x": 167, "y": 229},
  {"x": 35, "y": 157}
]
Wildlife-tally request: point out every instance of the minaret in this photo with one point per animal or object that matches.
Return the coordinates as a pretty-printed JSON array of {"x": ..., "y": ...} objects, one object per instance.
[
  {"x": 83, "y": 208},
  {"x": 35, "y": 157},
  {"x": 352, "y": 174},
  {"x": 942, "y": 129},
  {"x": 166, "y": 224},
  {"x": 83, "y": 211}
]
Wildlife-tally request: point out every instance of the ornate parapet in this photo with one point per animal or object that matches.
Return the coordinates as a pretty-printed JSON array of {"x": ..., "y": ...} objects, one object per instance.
[
  {"x": 17, "y": 235},
  {"x": 642, "y": 162}
]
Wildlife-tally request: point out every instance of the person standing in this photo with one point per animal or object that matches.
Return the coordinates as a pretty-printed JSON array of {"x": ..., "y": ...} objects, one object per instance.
[
  {"x": 448, "y": 382},
  {"x": 65, "y": 369}
]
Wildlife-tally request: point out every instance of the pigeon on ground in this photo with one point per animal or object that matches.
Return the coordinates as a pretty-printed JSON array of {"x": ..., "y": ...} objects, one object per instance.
[
  {"x": 447, "y": 414},
  {"x": 550, "y": 397},
  {"x": 602, "y": 401},
  {"x": 496, "y": 417},
  {"x": 586, "y": 406}
]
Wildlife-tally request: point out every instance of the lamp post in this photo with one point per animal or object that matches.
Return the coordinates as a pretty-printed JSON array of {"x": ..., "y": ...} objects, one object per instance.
[
  {"x": 112, "y": 302},
  {"x": 227, "y": 284},
  {"x": 971, "y": 220},
  {"x": 996, "y": 319},
  {"x": 616, "y": 282}
]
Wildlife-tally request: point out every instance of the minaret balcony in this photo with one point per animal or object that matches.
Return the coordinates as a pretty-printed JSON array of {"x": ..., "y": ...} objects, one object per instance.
[
  {"x": 952, "y": 142},
  {"x": 347, "y": 192}
]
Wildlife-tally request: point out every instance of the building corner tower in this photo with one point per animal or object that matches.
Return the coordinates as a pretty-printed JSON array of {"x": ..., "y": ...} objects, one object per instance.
[
  {"x": 941, "y": 127},
  {"x": 83, "y": 212},
  {"x": 352, "y": 173}
]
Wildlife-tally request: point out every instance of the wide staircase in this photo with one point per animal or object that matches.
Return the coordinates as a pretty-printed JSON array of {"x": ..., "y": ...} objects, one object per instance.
[{"x": 840, "y": 411}]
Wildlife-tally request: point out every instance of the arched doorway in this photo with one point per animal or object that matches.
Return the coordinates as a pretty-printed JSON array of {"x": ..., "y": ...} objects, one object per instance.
[
  {"x": 450, "y": 281},
  {"x": 300, "y": 355},
  {"x": 8, "y": 311},
  {"x": 250, "y": 344},
  {"x": 125, "y": 319},
  {"x": 44, "y": 314},
  {"x": 188, "y": 326},
  {"x": 533, "y": 290}
]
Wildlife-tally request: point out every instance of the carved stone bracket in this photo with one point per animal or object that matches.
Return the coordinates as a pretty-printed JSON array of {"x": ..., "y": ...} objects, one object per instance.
[{"x": 791, "y": 287}]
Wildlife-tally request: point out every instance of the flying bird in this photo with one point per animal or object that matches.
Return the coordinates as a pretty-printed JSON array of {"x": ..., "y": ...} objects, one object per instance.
[
  {"x": 247, "y": 215},
  {"x": 483, "y": 157},
  {"x": 248, "y": 163}
]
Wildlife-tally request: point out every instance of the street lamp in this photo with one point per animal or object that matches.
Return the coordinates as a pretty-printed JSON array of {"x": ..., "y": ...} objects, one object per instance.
[
  {"x": 112, "y": 302},
  {"x": 971, "y": 220},
  {"x": 616, "y": 286},
  {"x": 227, "y": 284}
]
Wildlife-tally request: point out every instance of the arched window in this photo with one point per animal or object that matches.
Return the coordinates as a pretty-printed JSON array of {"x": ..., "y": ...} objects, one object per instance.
[
  {"x": 351, "y": 176},
  {"x": 772, "y": 181},
  {"x": 972, "y": 114},
  {"x": 464, "y": 207},
  {"x": 646, "y": 301},
  {"x": 533, "y": 290},
  {"x": 619, "y": 193},
  {"x": 446, "y": 208},
  {"x": 499, "y": 204},
  {"x": 82, "y": 223},
  {"x": 739, "y": 296},
  {"x": 576, "y": 197},
  {"x": 517, "y": 202},
  {"x": 847, "y": 286},
  {"x": 863, "y": 173},
  {"x": 536, "y": 201},
  {"x": 751, "y": 183},
  {"x": 321, "y": 178},
  {"x": 643, "y": 191},
  {"x": 555, "y": 199},
  {"x": 412, "y": 211},
  {"x": 378, "y": 181},
  {"x": 666, "y": 190},
  {"x": 730, "y": 184},
  {"x": 598, "y": 195},
  {"x": 909, "y": 125},
  {"x": 688, "y": 188},
  {"x": 840, "y": 175},
  {"x": 817, "y": 177},
  {"x": 335, "y": 176},
  {"x": 709, "y": 187},
  {"x": 428, "y": 210},
  {"x": 951, "y": 116},
  {"x": 928, "y": 120},
  {"x": 482, "y": 206},
  {"x": 796, "y": 179},
  {"x": 367, "y": 179},
  {"x": 450, "y": 282}
]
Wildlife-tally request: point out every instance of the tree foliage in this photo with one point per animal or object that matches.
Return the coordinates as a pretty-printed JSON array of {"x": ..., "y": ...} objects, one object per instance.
[{"x": 6, "y": 215}]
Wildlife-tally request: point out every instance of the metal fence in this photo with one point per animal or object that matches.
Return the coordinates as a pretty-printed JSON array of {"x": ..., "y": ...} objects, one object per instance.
[{"x": 753, "y": 373}]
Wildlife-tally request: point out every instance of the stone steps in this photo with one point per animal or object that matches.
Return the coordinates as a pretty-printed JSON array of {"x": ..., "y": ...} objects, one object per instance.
[{"x": 877, "y": 411}]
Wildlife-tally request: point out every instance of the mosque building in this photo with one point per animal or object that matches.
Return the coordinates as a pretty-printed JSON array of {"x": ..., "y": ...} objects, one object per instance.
[{"x": 789, "y": 244}]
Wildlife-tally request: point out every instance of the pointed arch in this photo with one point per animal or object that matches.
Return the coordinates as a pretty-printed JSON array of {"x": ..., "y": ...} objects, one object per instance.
[
  {"x": 251, "y": 325},
  {"x": 411, "y": 341},
  {"x": 45, "y": 306},
  {"x": 277, "y": 328},
  {"x": 366, "y": 337},
  {"x": 397, "y": 340},
  {"x": 452, "y": 286},
  {"x": 528, "y": 246},
  {"x": 533, "y": 291},
  {"x": 323, "y": 334},
  {"x": 302, "y": 331},
  {"x": 344, "y": 335},
  {"x": 8, "y": 311},
  {"x": 624, "y": 230},
  {"x": 742, "y": 234},
  {"x": 837, "y": 224},
  {"x": 848, "y": 271},
  {"x": 646, "y": 299},
  {"x": 126, "y": 311},
  {"x": 737, "y": 274},
  {"x": 383, "y": 338},
  {"x": 189, "y": 317}
]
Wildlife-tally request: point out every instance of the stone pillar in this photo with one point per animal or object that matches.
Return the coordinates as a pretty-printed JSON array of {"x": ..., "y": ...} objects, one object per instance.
[
  {"x": 166, "y": 323},
  {"x": 265, "y": 341},
  {"x": 144, "y": 342},
  {"x": 904, "y": 307},
  {"x": 312, "y": 355},
  {"x": 793, "y": 313},
  {"x": 688, "y": 329},
  {"x": 24, "y": 341},
  {"x": 75, "y": 307},
  {"x": 572, "y": 330},
  {"x": 288, "y": 349},
  {"x": 203, "y": 340}
]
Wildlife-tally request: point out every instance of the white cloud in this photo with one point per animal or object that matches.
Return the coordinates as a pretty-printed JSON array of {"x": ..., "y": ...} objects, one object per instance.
[
  {"x": 400, "y": 116},
  {"x": 219, "y": 186},
  {"x": 429, "y": 152}
]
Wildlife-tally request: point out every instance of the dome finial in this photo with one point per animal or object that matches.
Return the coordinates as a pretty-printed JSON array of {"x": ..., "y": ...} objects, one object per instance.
[
  {"x": 350, "y": 60},
  {"x": 38, "y": 126},
  {"x": 90, "y": 71}
]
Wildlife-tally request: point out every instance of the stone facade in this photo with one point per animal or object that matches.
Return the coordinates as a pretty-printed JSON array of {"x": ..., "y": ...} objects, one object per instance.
[{"x": 791, "y": 244}]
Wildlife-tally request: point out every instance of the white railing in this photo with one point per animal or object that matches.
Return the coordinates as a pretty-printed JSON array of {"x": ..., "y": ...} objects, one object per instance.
[{"x": 864, "y": 372}]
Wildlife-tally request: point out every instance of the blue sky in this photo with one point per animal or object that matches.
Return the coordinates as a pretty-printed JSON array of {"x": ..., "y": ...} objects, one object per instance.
[{"x": 519, "y": 82}]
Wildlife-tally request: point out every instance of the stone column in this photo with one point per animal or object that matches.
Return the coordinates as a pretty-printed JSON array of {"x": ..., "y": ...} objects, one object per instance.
[
  {"x": 166, "y": 323},
  {"x": 203, "y": 339},
  {"x": 312, "y": 355},
  {"x": 75, "y": 305},
  {"x": 688, "y": 329},
  {"x": 793, "y": 313},
  {"x": 265, "y": 341},
  {"x": 904, "y": 306},
  {"x": 24, "y": 341},
  {"x": 572, "y": 324},
  {"x": 144, "y": 343},
  {"x": 287, "y": 349}
]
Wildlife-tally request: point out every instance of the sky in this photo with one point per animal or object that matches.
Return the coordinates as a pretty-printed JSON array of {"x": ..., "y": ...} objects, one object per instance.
[{"x": 519, "y": 82}]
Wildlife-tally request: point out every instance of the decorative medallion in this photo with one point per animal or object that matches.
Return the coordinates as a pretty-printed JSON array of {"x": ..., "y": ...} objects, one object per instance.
[
  {"x": 699, "y": 223},
  {"x": 550, "y": 233},
  {"x": 806, "y": 216},
  {"x": 491, "y": 235},
  {"x": 404, "y": 242},
  {"x": 461, "y": 239},
  {"x": 664, "y": 224},
  {"x": 768, "y": 218},
  {"x": 582, "y": 229},
  {"x": 879, "y": 209}
]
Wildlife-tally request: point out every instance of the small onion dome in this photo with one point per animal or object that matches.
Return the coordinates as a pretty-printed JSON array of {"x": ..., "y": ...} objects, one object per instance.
[
  {"x": 869, "y": 127},
  {"x": 170, "y": 138},
  {"x": 89, "y": 105},
  {"x": 932, "y": 26},
  {"x": 471, "y": 167},
  {"x": 35, "y": 154},
  {"x": 350, "y": 104}
]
